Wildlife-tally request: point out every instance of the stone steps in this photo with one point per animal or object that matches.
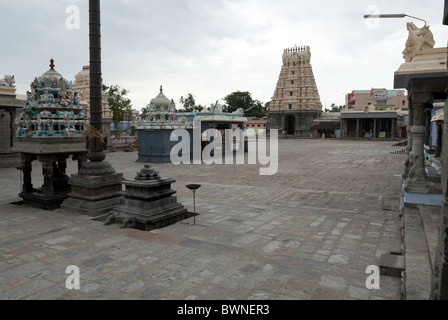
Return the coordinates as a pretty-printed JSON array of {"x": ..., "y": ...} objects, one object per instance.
[{"x": 403, "y": 142}]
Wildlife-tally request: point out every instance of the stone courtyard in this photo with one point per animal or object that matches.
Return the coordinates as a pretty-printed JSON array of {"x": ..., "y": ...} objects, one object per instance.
[{"x": 308, "y": 232}]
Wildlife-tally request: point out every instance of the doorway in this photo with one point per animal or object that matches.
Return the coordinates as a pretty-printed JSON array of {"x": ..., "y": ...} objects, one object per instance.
[{"x": 291, "y": 124}]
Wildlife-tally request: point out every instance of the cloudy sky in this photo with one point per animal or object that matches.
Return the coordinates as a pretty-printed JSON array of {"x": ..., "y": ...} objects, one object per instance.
[{"x": 213, "y": 47}]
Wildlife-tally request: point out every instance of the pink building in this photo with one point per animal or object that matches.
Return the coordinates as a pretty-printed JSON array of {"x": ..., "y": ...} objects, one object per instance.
[
  {"x": 382, "y": 99},
  {"x": 257, "y": 124}
]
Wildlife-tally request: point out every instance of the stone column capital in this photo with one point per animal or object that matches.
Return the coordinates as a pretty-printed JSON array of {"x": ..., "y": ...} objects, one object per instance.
[{"x": 421, "y": 98}]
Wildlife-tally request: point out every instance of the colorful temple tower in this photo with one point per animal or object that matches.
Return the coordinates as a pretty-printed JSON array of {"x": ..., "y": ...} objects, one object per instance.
[
  {"x": 50, "y": 129},
  {"x": 52, "y": 109}
]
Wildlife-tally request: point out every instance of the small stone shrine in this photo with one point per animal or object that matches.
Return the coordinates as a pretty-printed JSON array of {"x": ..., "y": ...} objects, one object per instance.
[
  {"x": 154, "y": 134},
  {"x": 148, "y": 203},
  {"x": 50, "y": 129}
]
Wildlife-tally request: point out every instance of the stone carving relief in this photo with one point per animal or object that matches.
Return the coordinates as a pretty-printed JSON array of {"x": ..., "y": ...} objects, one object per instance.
[
  {"x": 416, "y": 172},
  {"x": 418, "y": 39},
  {"x": 8, "y": 80}
]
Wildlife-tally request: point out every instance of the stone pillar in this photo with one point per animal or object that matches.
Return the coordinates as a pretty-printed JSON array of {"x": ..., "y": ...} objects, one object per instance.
[
  {"x": 392, "y": 129},
  {"x": 357, "y": 128},
  {"x": 81, "y": 158},
  {"x": 282, "y": 122},
  {"x": 409, "y": 145},
  {"x": 62, "y": 163},
  {"x": 27, "y": 169},
  {"x": 438, "y": 152},
  {"x": 345, "y": 128},
  {"x": 342, "y": 128},
  {"x": 374, "y": 128},
  {"x": 408, "y": 129},
  {"x": 47, "y": 172},
  {"x": 297, "y": 127},
  {"x": 439, "y": 288},
  {"x": 416, "y": 181}
]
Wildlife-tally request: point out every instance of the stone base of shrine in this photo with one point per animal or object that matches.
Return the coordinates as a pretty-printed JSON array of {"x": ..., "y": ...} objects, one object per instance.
[
  {"x": 93, "y": 195},
  {"x": 38, "y": 200},
  {"x": 140, "y": 216}
]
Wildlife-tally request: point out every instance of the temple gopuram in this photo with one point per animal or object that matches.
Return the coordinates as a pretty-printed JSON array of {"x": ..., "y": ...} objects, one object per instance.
[
  {"x": 296, "y": 101},
  {"x": 81, "y": 85}
]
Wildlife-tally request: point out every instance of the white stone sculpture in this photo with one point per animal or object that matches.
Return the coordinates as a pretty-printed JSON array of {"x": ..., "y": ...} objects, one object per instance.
[{"x": 418, "y": 39}]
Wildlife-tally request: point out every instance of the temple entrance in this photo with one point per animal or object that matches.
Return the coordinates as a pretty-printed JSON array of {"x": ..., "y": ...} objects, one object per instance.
[{"x": 290, "y": 124}]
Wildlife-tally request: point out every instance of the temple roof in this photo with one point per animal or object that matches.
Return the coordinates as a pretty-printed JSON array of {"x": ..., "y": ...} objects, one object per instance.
[
  {"x": 51, "y": 78},
  {"x": 161, "y": 99},
  {"x": 161, "y": 102}
]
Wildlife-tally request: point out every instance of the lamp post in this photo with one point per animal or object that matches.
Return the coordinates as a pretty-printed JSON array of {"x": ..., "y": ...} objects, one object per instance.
[
  {"x": 391, "y": 15},
  {"x": 194, "y": 187}
]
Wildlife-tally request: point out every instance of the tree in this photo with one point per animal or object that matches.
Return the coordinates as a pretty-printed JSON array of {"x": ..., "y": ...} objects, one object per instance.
[
  {"x": 243, "y": 100},
  {"x": 199, "y": 108},
  {"x": 118, "y": 103},
  {"x": 237, "y": 100},
  {"x": 334, "y": 108},
  {"x": 267, "y": 107},
  {"x": 145, "y": 112},
  {"x": 188, "y": 103}
]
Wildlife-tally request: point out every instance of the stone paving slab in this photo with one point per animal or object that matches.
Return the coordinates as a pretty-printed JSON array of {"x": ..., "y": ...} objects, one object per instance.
[{"x": 308, "y": 232}]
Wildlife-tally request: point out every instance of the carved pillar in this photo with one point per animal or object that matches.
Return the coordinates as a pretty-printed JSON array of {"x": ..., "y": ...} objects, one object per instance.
[
  {"x": 47, "y": 172},
  {"x": 409, "y": 135},
  {"x": 27, "y": 168},
  {"x": 439, "y": 288},
  {"x": 416, "y": 181},
  {"x": 408, "y": 129}
]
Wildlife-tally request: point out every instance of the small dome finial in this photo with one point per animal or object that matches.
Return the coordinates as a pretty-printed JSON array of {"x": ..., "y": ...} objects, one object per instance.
[
  {"x": 161, "y": 89},
  {"x": 52, "y": 64}
]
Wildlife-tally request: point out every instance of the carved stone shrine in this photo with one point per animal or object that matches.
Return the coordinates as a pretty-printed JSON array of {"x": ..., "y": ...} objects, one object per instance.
[
  {"x": 148, "y": 203},
  {"x": 50, "y": 129}
]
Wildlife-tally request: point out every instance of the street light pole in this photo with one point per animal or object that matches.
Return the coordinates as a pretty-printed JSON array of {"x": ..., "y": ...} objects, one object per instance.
[{"x": 393, "y": 15}]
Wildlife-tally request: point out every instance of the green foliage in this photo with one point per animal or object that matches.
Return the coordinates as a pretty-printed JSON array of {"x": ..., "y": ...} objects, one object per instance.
[
  {"x": 334, "y": 108},
  {"x": 118, "y": 103},
  {"x": 145, "y": 112},
  {"x": 243, "y": 100},
  {"x": 189, "y": 104}
]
